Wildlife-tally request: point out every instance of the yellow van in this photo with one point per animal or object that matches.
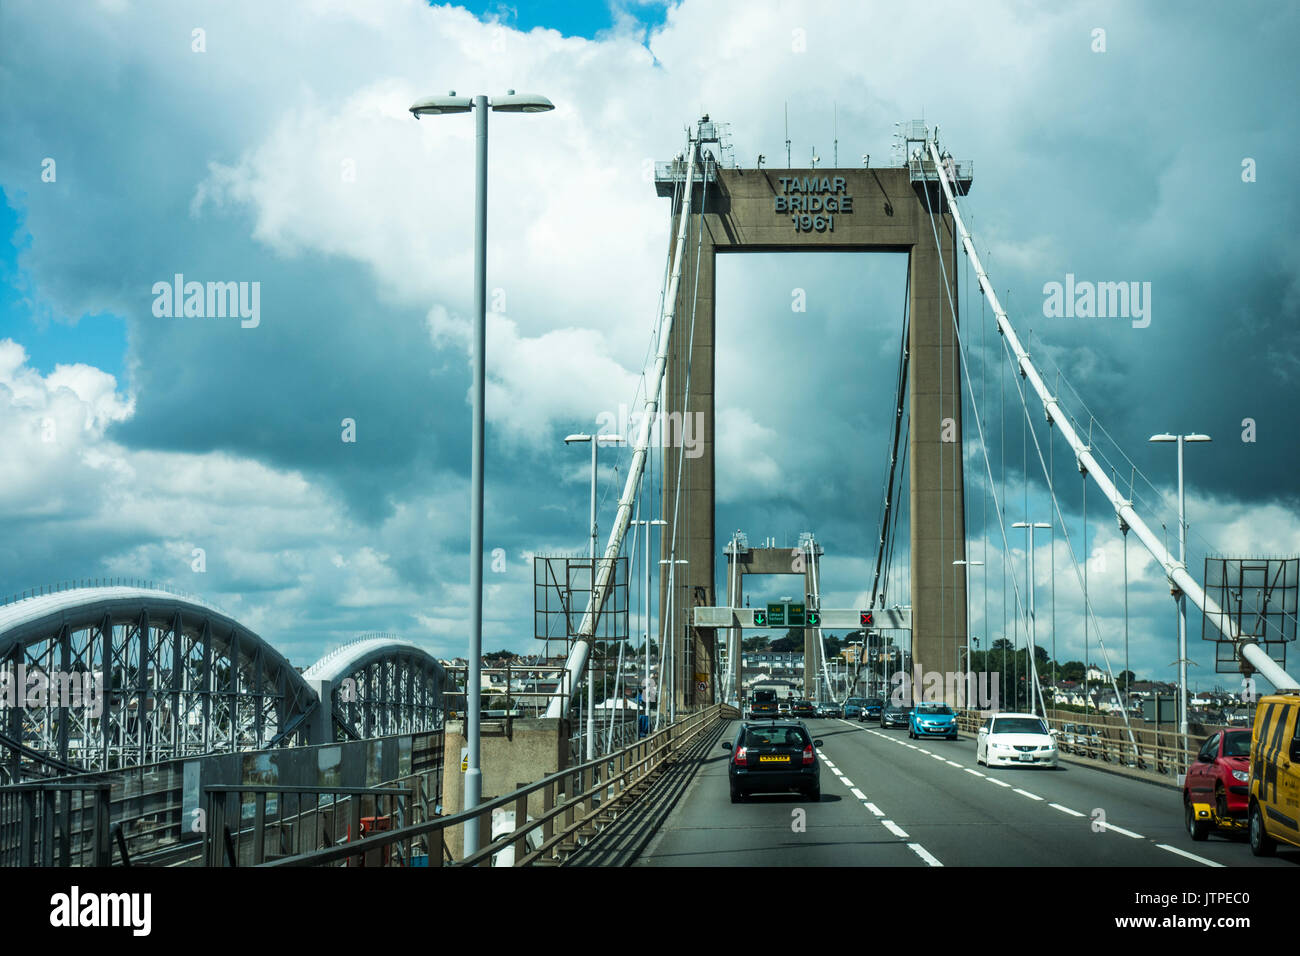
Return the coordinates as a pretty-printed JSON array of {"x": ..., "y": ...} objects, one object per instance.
[{"x": 1275, "y": 773}]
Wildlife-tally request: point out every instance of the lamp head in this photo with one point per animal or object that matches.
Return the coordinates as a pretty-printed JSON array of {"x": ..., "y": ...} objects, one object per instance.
[
  {"x": 514, "y": 102},
  {"x": 437, "y": 105}
]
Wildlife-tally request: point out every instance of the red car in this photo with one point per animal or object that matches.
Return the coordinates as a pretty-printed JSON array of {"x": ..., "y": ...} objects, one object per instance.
[{"x": 1220, "y": 777}]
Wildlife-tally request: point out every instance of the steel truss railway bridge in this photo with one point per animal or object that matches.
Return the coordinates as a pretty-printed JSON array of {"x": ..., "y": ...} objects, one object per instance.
[{"x": 137, "y": 675}]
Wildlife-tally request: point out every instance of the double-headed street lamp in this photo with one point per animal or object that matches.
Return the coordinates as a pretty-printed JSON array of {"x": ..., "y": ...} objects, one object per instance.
[
  {"x": 595, "y": 442},
  {"x": 1182, "y": 598},
  {"x": 512, "y": 102},
  {"x": 671, "y": 634},
  {"x": 648, "y": 523},
  {"x": 1033, "y": 632},
  {"x": 966, "y": 566}
]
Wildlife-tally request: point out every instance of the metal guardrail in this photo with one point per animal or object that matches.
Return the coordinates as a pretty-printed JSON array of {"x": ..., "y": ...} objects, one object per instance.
[{"x": 576, "y": 803}]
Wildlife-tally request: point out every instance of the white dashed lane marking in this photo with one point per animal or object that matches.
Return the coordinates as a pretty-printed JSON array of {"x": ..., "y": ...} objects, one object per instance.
[
  {"x": 1127, "y": 833},
  {"x": 1026, "y": 793},
  {"x": 1057, "y": 806},
  {"x": 859, "y": 794},
  {"x": 894, "y": 828},
  {"x": 1190, "y": 856},
  {"x": 875, "y": 810},
  {"x": 924, "y": 854}
]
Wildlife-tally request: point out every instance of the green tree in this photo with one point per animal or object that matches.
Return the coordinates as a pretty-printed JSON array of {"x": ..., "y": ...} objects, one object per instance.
[{"x": 1072, "y": 670}]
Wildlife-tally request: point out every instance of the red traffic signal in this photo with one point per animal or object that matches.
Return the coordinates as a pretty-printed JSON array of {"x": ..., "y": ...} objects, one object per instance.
[{"x": 864, "y": 618}]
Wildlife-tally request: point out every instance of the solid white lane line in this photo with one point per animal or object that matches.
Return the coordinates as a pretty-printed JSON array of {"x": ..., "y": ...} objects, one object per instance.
[
  {"x": 1026, "y": 793},
  {"x": 1057, "y": 806},
  {"x": 1190, "y": 856},
  {"x": 924, "y": 854},
  {"x": 894, "y": 828},
  {"x": 875, "y": 809},
  {"x": 975, "y": 772},
  {"x": 859, "y": 794},
  {"x": 1127, "y": 833}
]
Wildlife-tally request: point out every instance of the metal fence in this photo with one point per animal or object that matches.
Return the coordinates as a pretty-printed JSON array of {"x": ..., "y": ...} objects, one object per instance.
[
  {"x": 44, "y": 824},
  {"x": 572, "y": 806},
  {"x": 159, "y": 815}
]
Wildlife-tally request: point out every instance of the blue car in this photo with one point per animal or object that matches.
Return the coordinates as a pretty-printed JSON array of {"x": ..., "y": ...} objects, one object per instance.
[
  {"x": 932, "y": 720},
  {"x": 871, "y": 708},
  {"x": 853, "y": 708}
]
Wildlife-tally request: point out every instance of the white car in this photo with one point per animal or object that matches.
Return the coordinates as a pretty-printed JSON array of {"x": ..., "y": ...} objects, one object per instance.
[{"x": 1016, "y": 740}]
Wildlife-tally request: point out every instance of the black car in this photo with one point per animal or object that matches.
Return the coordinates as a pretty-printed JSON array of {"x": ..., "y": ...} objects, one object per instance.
[
  {"x": 872, "y": 708},
  {"x": 802, "y": 708},
  {"x": 895, "y": 715},
  {"x": 773, "y": 757}
]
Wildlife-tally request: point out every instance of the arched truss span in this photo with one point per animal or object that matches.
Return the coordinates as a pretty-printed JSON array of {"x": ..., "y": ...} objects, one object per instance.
[
  {"x": 379, "y": 685},
  {"x": 137, "y": 675}
]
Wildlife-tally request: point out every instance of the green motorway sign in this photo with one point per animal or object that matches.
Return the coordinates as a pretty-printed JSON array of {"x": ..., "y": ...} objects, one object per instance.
[
  {"x": 776, "y": 615},
  {"x": 795, "y": 615}
]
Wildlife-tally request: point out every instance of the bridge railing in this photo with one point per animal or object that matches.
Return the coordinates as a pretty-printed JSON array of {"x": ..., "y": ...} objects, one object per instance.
[
  {"x": 574, "y": 804},
  {"x": 1157, "y": 751},
  {"x": 73, "y": 584}
]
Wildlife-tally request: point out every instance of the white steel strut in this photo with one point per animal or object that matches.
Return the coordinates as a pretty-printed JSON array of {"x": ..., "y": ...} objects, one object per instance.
[{"x": 577, "y": 662}]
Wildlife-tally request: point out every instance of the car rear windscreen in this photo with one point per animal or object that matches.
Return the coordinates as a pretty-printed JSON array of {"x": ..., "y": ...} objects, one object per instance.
[{"x": 775, "y": 737}]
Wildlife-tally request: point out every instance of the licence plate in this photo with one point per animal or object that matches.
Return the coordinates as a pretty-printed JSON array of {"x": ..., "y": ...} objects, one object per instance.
[
  {"x": 1026, "y": 758},
  {"x": 773, "y": 758}
]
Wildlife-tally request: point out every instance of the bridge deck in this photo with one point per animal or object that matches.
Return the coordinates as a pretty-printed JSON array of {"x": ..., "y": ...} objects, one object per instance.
[{"x": 950, "y": 816}]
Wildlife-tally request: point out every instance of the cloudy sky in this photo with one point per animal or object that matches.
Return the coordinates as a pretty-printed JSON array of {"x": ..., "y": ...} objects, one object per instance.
[{"x": 241, "y": 141}]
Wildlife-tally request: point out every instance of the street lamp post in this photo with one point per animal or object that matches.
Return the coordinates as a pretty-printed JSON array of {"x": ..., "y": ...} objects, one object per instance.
[
  {"x": 1033, "y": 627},
  {"x": 966, "y": 566},
  {"x": 595, "y": 442},
  {"x": 433, "y": 106},
  {"x": 1181, "y": 598},
  {"x": 657, "y": 522},
  {"x": 671, "y": 633}
]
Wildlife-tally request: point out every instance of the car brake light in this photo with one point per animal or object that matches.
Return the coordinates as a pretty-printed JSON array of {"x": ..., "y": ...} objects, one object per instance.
[
  {"x": 740, "y": 760},
  {"x": 808, "y": 757}
]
